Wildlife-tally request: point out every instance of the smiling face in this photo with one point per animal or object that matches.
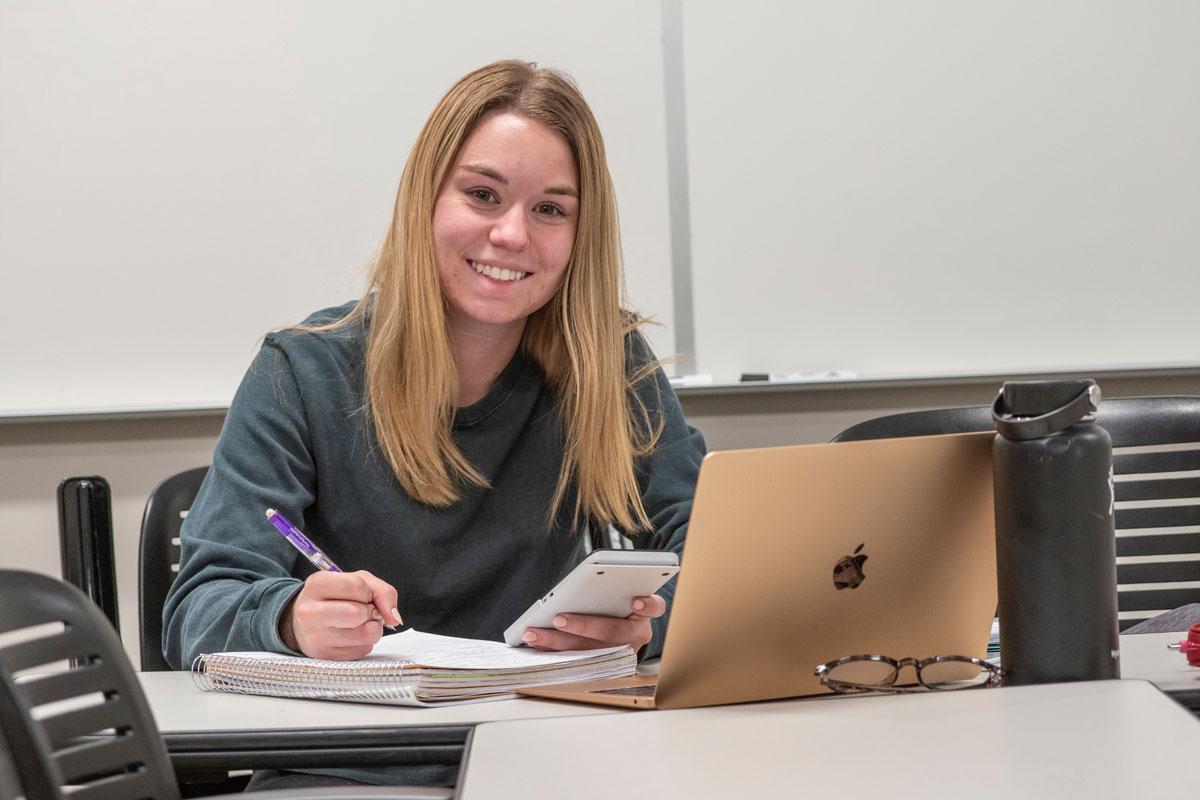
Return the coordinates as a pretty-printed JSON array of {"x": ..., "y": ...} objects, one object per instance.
[{"x": 504, "y": 224}]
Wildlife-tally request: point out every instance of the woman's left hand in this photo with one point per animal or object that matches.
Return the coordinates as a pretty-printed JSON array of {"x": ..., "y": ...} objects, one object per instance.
[{"x": 586, "y": 632}]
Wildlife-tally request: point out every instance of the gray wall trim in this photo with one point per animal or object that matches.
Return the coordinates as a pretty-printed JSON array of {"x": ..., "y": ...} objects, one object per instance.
[
  {"x": 683, "y": 307},
  {"x": 1115, "y": 375}
]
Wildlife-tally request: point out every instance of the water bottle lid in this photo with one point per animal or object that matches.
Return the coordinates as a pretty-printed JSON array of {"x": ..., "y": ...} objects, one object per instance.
[{"x": 1026, "y": 410}]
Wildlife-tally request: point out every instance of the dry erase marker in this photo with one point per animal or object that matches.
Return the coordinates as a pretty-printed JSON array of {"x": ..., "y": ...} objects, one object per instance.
[
  {"x": 301, "y": 542},
  {"x": 310, "y": 550}
]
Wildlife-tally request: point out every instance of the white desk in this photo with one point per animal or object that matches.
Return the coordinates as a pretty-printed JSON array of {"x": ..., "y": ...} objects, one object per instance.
[
  {"x": 216, "y": 731},
  {"x": 1108, "y": 739},
  {"x": 1146, "y": 656}
]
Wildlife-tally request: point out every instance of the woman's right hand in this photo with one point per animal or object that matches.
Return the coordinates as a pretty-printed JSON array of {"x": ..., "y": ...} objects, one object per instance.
[{"x": 339, "y": 615}]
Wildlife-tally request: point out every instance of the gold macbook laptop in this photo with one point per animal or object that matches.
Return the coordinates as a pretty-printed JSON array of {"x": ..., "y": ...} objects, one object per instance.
[{"x": 797, "y": 556}]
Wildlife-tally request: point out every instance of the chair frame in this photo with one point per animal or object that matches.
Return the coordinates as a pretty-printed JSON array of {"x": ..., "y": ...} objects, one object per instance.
[
  {"x": 89, "y": 726},
  {"x": 111, "y": 748},
  {"x": 158, "y": 552}
]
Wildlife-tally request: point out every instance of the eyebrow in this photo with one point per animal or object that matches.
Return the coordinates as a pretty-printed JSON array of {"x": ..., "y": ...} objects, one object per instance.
[{"x": 488, "y": 172}]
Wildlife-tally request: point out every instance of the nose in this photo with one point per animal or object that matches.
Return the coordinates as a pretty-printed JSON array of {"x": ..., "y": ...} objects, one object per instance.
[{"x": 510, "y": 231}]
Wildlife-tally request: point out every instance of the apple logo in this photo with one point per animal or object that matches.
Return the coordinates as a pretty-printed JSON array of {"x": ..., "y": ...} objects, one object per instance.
[{"x": 848, "y": 571}]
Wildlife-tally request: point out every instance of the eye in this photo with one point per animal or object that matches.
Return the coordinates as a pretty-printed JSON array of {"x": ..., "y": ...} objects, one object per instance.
[
  {"x": 482, "y": 195},
  {"x": 549, "y": 209}
]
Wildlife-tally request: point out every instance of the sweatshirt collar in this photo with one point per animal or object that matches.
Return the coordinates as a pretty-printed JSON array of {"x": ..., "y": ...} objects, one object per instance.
[{"x": 495, "y": 397}]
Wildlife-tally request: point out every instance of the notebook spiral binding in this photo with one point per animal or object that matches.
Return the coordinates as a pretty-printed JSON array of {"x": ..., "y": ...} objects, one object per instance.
[{"x": 308, "y": 678}]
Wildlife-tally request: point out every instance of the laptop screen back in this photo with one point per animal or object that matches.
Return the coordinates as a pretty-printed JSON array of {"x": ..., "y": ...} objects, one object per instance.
[{"x": 796, "y": 556}]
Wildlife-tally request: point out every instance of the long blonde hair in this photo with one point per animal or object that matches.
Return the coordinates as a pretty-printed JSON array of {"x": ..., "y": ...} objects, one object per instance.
[{"x": 577, "y": 338}]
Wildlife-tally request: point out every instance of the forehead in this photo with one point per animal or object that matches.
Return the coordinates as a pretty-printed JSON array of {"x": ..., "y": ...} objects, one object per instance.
[{"x": 509, "y": 142}]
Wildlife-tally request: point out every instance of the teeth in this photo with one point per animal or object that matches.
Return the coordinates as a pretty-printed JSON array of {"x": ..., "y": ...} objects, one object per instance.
[{"x": 496, "y": 273}]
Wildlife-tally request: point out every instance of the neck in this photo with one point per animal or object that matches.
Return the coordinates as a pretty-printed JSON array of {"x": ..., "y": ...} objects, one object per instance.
[{"x": 480, "y": 356}]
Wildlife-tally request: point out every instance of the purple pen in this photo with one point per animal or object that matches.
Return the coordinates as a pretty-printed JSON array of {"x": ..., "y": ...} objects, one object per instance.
[
  {"x": 310, "y": 550},
  {"x": 301, "y": 542}
]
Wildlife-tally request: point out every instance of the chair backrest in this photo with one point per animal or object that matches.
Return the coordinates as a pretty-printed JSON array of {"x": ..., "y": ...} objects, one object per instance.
[
  {"x": 1156, "y": 473},
  {"x": 968, "y": 419},
  {"x": 158, "y": 558},
  {"x": 71, "y": 708}
]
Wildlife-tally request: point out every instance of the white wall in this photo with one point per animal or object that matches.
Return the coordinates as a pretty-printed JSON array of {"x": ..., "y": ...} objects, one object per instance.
[
  {"x": 133, "y": 455},
  {"x": 936, "y": 188},
  {"x": 860, "y": 174},
  {"x": 909, "y": 188},
  {"x": 178, "y": 178}
]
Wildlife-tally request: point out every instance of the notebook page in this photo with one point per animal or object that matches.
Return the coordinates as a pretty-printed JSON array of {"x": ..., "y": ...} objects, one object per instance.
[
  {"x": 412, "y": 647},
  {"x": 449, "y": 652}
]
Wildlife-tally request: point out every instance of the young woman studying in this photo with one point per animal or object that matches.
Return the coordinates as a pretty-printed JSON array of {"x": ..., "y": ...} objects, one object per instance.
[{"x": 451, "y": 438}]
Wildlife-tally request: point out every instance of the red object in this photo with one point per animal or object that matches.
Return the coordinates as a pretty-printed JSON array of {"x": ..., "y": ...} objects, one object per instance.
[{"x": 1191, "y": 646}]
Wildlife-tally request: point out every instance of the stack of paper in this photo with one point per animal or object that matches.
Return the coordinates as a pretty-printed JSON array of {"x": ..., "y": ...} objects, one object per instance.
[{"x": 411, "y": 668}]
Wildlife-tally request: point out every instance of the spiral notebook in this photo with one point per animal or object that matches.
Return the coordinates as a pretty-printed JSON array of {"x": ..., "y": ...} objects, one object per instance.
[{"x": 410, "y": 668}]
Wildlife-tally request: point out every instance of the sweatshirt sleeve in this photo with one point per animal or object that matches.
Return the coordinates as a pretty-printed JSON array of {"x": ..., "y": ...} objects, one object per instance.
[
  {"x": 666, "y": 476},
  {"x": 236, "y": 573}
]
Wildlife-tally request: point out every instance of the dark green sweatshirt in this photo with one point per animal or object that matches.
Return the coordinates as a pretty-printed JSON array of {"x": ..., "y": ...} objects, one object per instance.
[{"x": 297, "y": 439}]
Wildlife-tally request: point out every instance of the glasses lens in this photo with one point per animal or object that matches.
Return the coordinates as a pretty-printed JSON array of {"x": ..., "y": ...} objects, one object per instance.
[
  {"x": 866, "y": 673},
  {"x": 954, "y": 674}
]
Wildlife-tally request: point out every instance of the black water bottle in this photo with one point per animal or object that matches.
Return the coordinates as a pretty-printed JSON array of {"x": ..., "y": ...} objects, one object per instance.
[{"x": 1055, "y": 543}]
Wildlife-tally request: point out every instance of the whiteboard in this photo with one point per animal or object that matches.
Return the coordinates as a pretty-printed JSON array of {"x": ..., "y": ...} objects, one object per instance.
[
  {"x": 879, "y": 189},
  {"x": 941, "y": 188},
  {"x": 177, "y": 179}
]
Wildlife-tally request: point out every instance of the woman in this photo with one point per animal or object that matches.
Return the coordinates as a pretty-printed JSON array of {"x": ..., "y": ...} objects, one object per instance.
[{"x": 450, "y": 438}]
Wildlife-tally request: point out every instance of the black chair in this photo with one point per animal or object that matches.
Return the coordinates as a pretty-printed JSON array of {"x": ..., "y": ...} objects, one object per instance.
[
  {"x": 1156, "y": 471},
  {"x": 968, "y": 419},
  {"x": 9, "y": 789},
  {"x": 158, "y": 558},
  {"x": 88, "y": 726}
]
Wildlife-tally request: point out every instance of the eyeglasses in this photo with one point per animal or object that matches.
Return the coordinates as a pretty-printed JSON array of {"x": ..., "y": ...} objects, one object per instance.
[{"x": 854, "y": 674}]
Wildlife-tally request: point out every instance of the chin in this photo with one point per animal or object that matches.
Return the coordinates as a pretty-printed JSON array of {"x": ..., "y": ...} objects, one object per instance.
[{"x": 493, "y": 317}]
